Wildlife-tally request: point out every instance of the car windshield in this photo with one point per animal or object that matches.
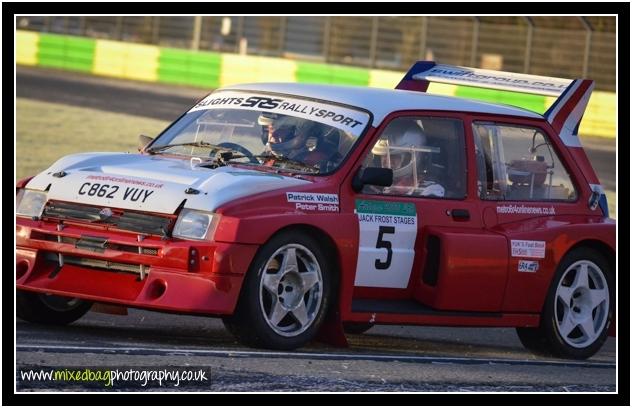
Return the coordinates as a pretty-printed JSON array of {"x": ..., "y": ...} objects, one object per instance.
[{"x": 260, "y": 130}]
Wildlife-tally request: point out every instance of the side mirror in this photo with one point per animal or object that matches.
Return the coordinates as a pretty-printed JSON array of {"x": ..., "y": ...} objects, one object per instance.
[
  {"x": 375, "y": 176},
  {"x": 143, "y": 141}
]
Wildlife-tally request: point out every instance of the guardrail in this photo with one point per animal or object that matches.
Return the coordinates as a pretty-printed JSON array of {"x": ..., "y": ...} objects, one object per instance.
[{"x": 211, "y": 70}]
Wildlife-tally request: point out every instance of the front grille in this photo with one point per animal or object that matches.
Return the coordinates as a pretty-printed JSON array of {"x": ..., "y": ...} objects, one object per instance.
[
  {"x": 121, "y": 219},
  {"x": 98, "y": 264},
  {"x": 132, "y": 248},
  {"x": 41, "y": 236}
]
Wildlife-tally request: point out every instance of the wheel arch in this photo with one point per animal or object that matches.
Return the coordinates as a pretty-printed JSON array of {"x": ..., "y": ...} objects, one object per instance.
[
  {"x": 595, "y": 244},
  {"x": 331, "y": 258},
  {"x": 323, "y": 238},
  {"x": 604, "y": 249},
  {"x": 331, "y": 332}
]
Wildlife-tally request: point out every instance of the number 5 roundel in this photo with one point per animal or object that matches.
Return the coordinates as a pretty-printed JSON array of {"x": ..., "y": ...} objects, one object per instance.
[{"x": 387, "y": 238}]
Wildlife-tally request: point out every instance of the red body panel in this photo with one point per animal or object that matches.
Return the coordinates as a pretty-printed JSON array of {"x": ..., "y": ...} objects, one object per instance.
[
  {"x": 476, "y": 272},
  {"x": 560, "y": 234},
  {"x": 500, "y": 320},
  {"x": 211, "y": 287}
]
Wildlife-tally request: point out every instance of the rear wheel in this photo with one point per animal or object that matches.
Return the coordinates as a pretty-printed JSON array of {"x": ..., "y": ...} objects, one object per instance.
[
  {"x": 285, "y": 296},
  {"x": 578, "y": 308},
  {"x": 49, "y": 309}
]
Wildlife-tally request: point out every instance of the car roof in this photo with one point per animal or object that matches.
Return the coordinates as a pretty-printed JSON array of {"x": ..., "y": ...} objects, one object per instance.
[{"x": 382, "y": 102}]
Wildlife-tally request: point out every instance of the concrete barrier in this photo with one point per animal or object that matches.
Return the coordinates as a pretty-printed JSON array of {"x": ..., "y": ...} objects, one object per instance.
[{"x": 26, "y": 47}]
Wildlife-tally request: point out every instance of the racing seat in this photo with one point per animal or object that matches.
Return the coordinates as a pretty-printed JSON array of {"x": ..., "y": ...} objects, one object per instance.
[
  {"x": 328, "y": 145},
  {"x": 527, "y": 178}
]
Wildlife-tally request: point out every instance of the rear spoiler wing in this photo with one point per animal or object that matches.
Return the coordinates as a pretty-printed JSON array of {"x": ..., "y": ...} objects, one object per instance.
[{"x": 564, "y": 115}]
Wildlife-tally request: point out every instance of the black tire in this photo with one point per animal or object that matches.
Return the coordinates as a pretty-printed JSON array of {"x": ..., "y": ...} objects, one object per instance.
[
  {"x": 232, "y": 328},
  {"x": 533, "y": 340},
  {"x": 49, "y": 309},
  {"x": 254, "y": 321},
  {"x": 564, "y": 329},
  {"x": 356, "y": 328}
]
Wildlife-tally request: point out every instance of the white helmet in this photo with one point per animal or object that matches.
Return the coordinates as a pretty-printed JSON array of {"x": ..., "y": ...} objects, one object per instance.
[
  {"x": 286, "y": 133},
  {"x": 397, "y": 143}
]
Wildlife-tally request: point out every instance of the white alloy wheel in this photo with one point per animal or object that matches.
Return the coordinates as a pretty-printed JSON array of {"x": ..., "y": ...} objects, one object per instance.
[
  {"x": 582, "y": 304},
  {"x": 291, "y": 290}
]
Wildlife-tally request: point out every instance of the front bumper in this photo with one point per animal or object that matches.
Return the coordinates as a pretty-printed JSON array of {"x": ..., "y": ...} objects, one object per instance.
[{"x": 177, "y": 275}]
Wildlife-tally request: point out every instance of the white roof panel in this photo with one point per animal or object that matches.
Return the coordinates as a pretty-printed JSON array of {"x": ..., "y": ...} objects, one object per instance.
[{"x": 382, "y": 102}]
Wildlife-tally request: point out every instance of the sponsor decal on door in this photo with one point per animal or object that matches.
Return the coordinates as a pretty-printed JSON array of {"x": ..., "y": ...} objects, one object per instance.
[
  {"x": 527, "y": 249},
  {"x": 386, "y": 250}
]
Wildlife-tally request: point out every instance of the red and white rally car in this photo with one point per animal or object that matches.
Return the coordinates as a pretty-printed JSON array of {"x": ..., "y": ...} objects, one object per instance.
[{"x": 294, "y": 211}]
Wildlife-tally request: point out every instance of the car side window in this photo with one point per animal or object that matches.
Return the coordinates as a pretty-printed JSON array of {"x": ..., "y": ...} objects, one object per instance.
[
  {"x": 519, "y": 163},
  {"x": 426, "y": 154}
]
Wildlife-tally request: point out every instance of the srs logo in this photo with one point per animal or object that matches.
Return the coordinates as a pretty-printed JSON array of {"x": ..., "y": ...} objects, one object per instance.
[{"x": 262, "y": 102}]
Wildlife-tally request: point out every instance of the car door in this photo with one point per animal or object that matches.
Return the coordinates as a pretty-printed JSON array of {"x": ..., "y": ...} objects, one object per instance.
[
  {"x": 421, "y": 237},
  {"x": 525, "y": 192}
]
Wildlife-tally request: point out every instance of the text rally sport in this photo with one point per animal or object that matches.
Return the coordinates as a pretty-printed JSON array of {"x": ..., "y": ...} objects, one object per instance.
[{"x": 349, "y": 120}]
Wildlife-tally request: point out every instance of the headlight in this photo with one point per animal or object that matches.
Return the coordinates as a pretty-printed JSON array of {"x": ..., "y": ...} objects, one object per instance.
[
  {"x": 30, "y": 203},
  {"x": 193, "y": 224}
]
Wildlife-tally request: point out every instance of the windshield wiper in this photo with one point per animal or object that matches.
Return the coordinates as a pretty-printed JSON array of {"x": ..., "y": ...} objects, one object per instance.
[
  {"x": 221, "y": 159},
  {"x": 286, "y": 160},
  {"x": 201, "y": 143}
]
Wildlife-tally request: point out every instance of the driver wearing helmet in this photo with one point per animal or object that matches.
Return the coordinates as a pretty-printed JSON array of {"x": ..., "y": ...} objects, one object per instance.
[
  {"x": 403, "y": 149},
  {"x": 293, "y": 138}
]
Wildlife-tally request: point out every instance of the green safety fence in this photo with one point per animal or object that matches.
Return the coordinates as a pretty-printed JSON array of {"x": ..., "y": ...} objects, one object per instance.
[
  {"x": 65, "y": 52},
  {"x": 535, "y": 103},
  {"x": 308, "y": 72},
  {"x": 189, "y": 68}
]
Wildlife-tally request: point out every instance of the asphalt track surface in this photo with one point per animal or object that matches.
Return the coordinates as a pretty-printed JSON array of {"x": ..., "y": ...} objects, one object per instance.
[{"x": 385, "y": 359}]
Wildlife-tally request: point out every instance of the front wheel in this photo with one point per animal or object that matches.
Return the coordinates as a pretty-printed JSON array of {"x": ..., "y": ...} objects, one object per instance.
[
  {"x": 49, "y": 309},
  {"x": 578, "y": 308},
  {"x": 285, "y": 296}
]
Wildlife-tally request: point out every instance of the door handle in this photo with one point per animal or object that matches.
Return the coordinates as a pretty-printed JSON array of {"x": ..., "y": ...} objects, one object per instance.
[{"x": 460, "y": 214}]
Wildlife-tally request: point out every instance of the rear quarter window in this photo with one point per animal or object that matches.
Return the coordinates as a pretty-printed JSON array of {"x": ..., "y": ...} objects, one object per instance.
[{"x": 518, "y": 163}]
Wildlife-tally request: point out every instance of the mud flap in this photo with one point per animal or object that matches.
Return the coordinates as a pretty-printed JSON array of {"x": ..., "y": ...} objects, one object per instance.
[
  {"x": 109, "y": 309},
  {"x": 331, "y": 331},
  {"x": 612, "y": 330}
]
